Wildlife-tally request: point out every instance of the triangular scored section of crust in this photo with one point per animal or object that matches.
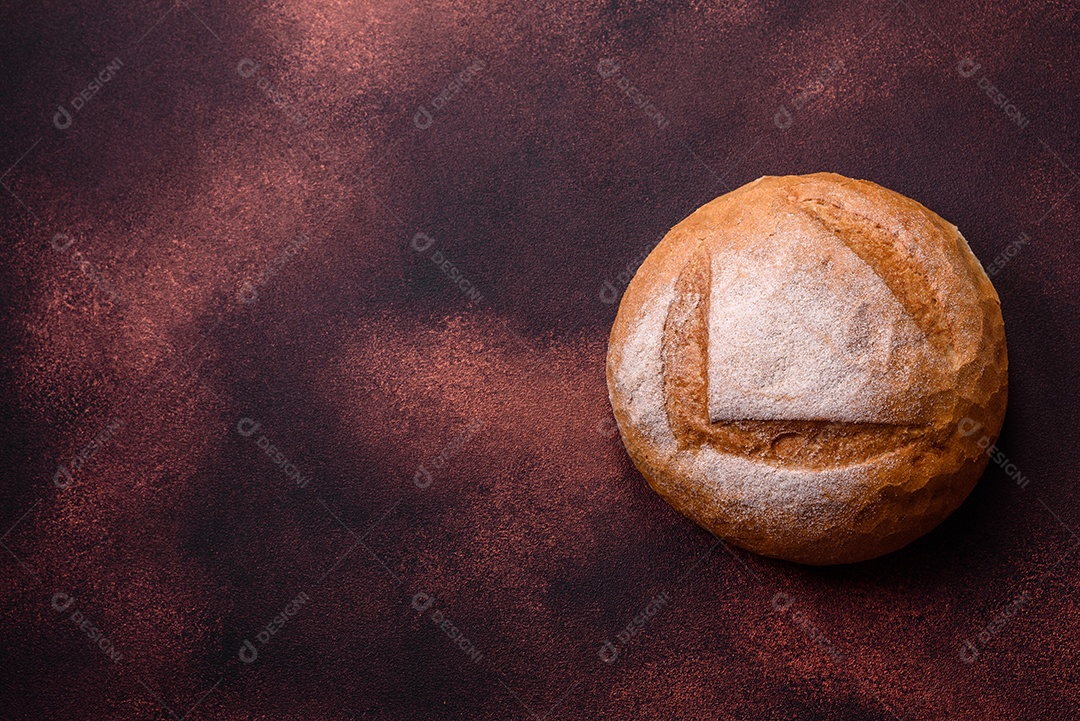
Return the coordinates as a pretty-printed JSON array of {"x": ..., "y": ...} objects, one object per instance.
[{"x": 801, "y": 328}]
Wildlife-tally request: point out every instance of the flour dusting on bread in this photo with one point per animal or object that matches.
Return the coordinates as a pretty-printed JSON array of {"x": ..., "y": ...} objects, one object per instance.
[{"x": 789, "y": 365}]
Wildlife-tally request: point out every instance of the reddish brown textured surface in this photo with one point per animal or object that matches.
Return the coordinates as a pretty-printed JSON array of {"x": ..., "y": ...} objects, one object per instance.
[{"x": 181, "y": 181}]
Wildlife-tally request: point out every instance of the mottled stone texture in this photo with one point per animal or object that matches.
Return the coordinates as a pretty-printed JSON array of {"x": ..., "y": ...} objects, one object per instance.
[{"x": 240, "y": 391}]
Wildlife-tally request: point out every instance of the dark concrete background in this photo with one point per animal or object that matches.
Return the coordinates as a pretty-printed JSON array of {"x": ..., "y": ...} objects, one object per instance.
[{"x": 211, "y": 240}]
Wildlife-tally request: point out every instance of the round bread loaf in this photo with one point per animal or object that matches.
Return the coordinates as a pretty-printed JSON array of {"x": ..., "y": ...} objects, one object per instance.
[{"x": 799, "y": 366}]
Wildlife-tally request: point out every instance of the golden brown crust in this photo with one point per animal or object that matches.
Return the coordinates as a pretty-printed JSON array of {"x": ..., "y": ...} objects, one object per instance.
[{"x": 814, "y": 487}]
